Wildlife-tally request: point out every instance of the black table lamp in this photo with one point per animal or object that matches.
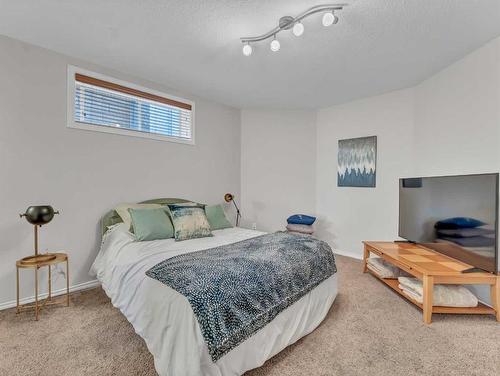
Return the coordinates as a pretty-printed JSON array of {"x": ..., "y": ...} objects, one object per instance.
[
  {"x": 228, "y": 197},
  {"x": 38, "y": 216}
]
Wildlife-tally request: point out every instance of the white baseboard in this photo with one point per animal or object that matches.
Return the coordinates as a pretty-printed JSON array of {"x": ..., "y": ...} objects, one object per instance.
[
  {"x": 347, "y": 254},
  {"x": 31, "y": 299}
]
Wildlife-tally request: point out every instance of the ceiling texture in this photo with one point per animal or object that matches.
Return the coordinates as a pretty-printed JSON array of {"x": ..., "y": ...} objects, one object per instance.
[{"x": 193, "y": 46}]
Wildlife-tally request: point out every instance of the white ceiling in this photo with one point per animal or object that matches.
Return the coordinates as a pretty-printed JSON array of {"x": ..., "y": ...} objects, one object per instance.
[{"x": 193, "y": 46}]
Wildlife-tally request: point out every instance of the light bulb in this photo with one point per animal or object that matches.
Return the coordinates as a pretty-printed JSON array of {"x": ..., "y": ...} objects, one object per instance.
[
  {"x": 247, "y": 50},
  {"x": 275, "y": 45},
  {"x": 298, "y": 29},
  {"x": 329, "y": 19}
]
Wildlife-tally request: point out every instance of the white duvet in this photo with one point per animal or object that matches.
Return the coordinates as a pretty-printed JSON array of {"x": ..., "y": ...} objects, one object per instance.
[{"x": 165, "y": 320}]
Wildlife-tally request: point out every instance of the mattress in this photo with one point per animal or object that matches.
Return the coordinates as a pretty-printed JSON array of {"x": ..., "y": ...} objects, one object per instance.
[{"x": 165, "y": 320}]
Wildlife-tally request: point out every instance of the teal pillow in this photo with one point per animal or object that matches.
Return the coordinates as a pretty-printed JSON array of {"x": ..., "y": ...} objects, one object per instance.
[
  {"x": 190, "y": 221},
  {"x": 216, "y": 217},
  {"x": 151, "y": 224}
]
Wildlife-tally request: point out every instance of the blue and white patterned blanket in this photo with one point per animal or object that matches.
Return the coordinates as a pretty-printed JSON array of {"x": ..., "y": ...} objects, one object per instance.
[{"x": 237, "y": 289}]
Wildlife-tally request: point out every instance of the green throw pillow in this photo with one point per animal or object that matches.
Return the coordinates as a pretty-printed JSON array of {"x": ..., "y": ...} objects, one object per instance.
[
  {"x": 190, "y": 221},
  {"x": 216, "y": 217},
  {"x": 151, "y": 224}
]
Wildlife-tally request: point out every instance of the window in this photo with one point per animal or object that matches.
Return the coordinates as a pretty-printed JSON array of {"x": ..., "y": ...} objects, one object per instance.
[{"x": 102, "y": 104}]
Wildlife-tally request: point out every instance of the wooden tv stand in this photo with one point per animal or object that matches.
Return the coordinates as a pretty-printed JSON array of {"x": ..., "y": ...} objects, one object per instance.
[{"x": 432, "y": 268}]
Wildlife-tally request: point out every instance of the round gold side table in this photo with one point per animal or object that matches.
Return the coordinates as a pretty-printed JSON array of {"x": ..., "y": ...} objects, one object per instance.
[{"x": 60, "y": 258}]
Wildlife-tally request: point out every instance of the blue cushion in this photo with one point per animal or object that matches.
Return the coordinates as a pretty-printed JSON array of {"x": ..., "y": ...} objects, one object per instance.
[
  {"x": 301, "y": 219},
  {"x": 458, "y": 222}
]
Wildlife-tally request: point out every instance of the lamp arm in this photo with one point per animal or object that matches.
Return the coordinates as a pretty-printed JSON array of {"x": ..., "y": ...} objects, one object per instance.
[
  {"x": 236, "y": 206},
  {"x": 238, "y": 214}
]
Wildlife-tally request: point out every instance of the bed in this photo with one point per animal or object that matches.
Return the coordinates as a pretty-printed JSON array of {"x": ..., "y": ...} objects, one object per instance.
[{"x": 164, "y": 318}]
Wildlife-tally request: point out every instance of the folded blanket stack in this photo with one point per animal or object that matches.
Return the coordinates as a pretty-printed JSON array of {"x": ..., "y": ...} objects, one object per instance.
[
  {"x": 444, "y": 295},
  {"x": 300, "y": 223},
  {"x": 383, "y": 269}
]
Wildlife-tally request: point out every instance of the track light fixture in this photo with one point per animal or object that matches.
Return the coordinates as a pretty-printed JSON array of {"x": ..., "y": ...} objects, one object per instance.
[{"x": 294, "y": 23}]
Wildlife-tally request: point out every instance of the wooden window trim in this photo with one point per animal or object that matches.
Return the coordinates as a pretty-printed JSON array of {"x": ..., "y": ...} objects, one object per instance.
[{"x": 126, "y": 90}]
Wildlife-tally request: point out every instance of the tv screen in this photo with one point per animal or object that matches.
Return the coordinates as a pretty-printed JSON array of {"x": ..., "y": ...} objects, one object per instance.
[{"x": 454, "y": 215}]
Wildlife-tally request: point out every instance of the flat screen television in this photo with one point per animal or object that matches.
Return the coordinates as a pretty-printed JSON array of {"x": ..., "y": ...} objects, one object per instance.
[{"x": 454, "y": 215}]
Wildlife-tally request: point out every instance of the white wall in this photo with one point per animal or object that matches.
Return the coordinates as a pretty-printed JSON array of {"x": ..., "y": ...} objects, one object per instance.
[
  {"x": 457, "y": 116},
  {"x": 277, "y": 166},
  {"x": 286, "y": 164},
  {"x": 84, "y": 174},
  {"x": 347, "y": 216},
  {"x": 449, "y": 124},
  {"x": 457, "y": 119}
]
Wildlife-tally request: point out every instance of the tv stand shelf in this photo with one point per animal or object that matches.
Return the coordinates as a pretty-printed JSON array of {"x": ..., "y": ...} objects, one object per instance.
[{"x": 432, "y": 268}]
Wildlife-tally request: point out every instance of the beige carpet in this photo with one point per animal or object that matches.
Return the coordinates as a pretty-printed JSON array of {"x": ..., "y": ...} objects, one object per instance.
[{"x": 369, "y": 331}]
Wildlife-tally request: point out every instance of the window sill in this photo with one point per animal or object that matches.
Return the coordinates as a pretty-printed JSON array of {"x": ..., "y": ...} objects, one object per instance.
[{"x": 128, "y": 132}]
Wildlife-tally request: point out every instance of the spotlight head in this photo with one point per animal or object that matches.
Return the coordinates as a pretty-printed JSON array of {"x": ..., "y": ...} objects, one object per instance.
[
  {"x": 275, "y": 45},
  {"x": 330, "y": 19},
  {"x": 298, "y": 29},
  {"x": 247, "y": 50}
]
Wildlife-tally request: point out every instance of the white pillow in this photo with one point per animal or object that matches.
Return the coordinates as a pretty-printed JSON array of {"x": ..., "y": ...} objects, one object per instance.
[
  {"x": 124, "y": 214},
  {"x": 443, "y": 295}
]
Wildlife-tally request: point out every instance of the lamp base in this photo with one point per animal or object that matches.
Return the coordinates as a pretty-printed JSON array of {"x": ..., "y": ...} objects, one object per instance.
[{"x": 36, "y": 259}]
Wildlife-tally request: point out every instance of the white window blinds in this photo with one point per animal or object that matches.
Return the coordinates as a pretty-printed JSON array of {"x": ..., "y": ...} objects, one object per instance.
[{"x": 102, "y": 103}]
